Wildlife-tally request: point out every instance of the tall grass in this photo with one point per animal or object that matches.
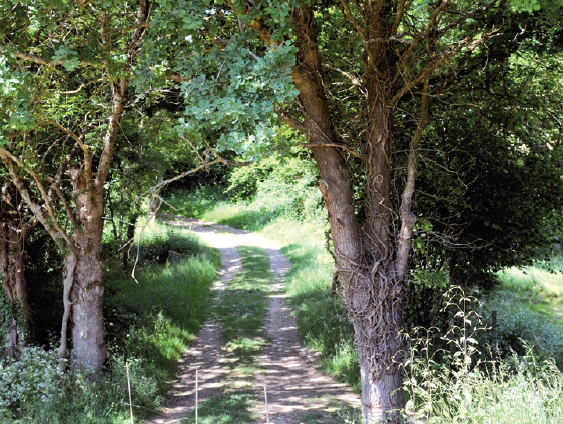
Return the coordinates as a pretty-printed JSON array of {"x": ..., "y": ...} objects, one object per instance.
[
  {"x": 149, "y": 323},
  {"x": 456, "y": 385},
  {"x": 520, "y": 390}
]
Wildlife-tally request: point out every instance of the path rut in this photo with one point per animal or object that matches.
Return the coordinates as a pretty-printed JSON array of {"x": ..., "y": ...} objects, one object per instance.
[{"x": 297, "y": 390}]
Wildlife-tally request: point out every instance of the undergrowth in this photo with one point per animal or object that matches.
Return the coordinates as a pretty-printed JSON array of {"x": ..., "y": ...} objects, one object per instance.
[
  {"x": 457, "y": 384},
  {"x": 149, "y": 323}
]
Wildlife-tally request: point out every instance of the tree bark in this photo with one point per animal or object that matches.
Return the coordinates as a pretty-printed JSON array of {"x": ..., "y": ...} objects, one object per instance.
[
  {"x": 86, "y": 292},
  {"x": 88, "y": 345},
  {"x": 13, "y": 233},
  {"x": 375, "y": 293}
]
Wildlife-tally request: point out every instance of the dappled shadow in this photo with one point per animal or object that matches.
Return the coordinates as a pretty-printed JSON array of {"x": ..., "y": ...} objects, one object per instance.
[{"x": 297, "y": 392}]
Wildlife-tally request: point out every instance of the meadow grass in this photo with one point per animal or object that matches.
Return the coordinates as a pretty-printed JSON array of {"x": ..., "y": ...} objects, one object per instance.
[
  {"x": 536, "y": 287},
  {"x": 516, "y": 390}
]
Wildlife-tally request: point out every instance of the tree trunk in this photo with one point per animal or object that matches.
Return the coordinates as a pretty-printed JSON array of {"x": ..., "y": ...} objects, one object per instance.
[
  {"x": 365, "y": 258},
  {"x": 14, "y": 231},
  {"x": 382, "y": 398},
  {"x": 12, "y": 254},
  {"x": 376, "y": 306},
  {"x": 88, "y": 345},
  {"x": 86, "y": 260}
]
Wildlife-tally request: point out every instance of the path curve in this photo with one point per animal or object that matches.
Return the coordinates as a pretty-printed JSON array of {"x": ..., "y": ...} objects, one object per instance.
[{"x": 296, "y": 389}]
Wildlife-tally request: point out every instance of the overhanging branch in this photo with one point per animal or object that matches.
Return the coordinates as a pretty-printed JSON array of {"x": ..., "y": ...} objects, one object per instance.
[{"x": 340, "y": 146}]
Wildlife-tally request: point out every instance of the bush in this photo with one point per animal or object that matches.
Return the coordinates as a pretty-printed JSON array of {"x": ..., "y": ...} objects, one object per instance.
[
  {"x": 31, "y": 378},
  {"x": 518, "y": 326},
  {"x": 277, "y": 187},
  {"x": 193, "y": 203}
]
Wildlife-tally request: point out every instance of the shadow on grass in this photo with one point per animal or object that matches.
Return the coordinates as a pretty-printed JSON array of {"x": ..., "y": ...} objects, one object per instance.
[
  {"x": 249, "y": 220},
  {"x": 230, "y": 407}
]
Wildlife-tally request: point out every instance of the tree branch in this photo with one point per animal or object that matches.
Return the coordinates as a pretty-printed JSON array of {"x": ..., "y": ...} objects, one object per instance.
[
  {"x": 206, "y": 163},
  {"x": 398, "y": 17},
  {"x": 56, "y": 188},
  {"x": 67, "y": 286},
  {"x": 119, "y": 99},
  {"x": 340, "y": 146},
  {"x": 408, "y": 219},
  {"x": 9, "y": 161},
  {"x": 41, "y": 61},
  {"x": 356, "y": 81},
  {"x": 292, "y": 121},
  {"x": 140, "y": 27},
  {"x": 371, "y": 59},
  {"x": 428, "y": 27},
  {"x": 428, "y": 69}
]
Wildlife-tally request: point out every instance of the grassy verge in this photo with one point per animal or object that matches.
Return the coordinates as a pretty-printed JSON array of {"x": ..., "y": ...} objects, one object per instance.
[
  {"x": 149, "y": 323},
  {"x": 537, "y": 287},
  {"x": 240, "y": 312},
  {"x": 529, "y": 305}
]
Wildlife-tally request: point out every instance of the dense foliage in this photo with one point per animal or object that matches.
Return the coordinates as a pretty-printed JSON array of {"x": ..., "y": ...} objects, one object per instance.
[{"x": 103, "y": 103}]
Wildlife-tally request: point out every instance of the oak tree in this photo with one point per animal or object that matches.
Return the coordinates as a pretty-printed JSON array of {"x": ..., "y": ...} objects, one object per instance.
[{"x": 359, "y": 64}]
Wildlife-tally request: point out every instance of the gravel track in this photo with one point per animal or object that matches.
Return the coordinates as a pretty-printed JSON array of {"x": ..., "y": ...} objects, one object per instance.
[{"x": 297, "y": 390}]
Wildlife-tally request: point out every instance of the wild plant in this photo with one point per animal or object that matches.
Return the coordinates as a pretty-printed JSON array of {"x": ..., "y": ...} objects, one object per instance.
[{"x": 448, "y": 378}]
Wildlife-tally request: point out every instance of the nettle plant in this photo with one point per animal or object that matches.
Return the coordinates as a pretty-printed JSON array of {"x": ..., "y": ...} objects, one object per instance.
[{"x": 33, "y": 377}]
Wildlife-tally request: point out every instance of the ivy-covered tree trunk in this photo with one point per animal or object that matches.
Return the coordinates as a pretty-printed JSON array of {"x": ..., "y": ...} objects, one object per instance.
[
  {"x": 15, "y": 310},
  {"x": 371, "y": 267}
]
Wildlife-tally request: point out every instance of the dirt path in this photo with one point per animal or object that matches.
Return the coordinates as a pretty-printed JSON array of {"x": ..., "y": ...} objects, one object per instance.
[{"x": 297, "y": 391}]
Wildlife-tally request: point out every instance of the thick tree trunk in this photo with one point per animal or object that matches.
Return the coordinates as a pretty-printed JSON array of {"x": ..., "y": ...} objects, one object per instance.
[
  {"x": 85, "y": 297},
  {"x": 382, "y": 397},
  {"x": 376, "y": 306},
  {"x": 377, "y": 294},
  {"x": 88, "y": 345},
  {"x": 86, "y": 261},
  {"x": 365, "y": 257}
]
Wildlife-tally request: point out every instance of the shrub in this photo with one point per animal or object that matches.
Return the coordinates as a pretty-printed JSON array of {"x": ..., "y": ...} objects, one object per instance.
[{"x": 33, "y": 377}]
